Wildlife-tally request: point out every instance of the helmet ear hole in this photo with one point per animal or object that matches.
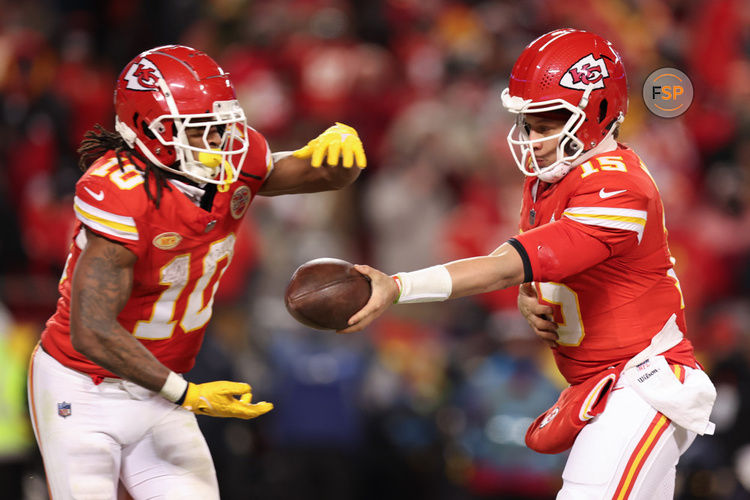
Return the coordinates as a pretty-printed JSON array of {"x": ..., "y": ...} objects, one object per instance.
[
  {"x": 146, "y": 131},
  {"x": 571, "y": 148},
  {"x": 602, "y": 110}
]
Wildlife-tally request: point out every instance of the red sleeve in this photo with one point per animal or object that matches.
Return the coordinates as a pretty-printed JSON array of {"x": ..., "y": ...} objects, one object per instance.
[
  {"x": 612, "y": 206},
  {"x": 258, "y": 163},
  {"x": 109, "y": 202},
  {"x": 559, "y": 249}
]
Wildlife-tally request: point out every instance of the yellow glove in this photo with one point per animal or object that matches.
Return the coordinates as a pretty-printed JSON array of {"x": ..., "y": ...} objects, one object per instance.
[
  {"x": 217, "y": 399},
  {"x": 336, "y": 141}
]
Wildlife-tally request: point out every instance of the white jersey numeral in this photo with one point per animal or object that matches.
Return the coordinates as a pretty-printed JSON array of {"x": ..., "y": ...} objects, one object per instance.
[
  {"x": 612, "y": 163},
  {"x": 161, "y": 325},
  {"x": 196, "y": 313},
  {"x": 125, "y": 179},
  {"x": 175, "y": 276},
  {"x": 570, "y": 330}
]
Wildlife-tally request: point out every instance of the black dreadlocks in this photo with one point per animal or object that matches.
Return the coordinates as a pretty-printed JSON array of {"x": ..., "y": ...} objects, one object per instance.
[{"x": 98, "y": 141}]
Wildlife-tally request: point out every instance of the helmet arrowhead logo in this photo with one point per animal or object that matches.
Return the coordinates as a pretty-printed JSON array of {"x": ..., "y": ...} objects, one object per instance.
[
  {"x": 587, "y": 72},
  {"x": 142, "y": 75}
]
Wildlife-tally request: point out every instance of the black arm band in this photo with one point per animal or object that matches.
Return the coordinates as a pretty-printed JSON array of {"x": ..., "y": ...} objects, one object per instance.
[{"x": 528, "y": 275}]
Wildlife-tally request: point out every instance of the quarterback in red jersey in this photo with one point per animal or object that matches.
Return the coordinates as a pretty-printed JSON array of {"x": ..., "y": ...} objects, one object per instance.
[
  {"x": 597, "y": 279},
  {"x": 158, "y": 208}
]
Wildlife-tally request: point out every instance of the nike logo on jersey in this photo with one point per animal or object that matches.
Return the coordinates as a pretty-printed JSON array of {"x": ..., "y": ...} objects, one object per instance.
[
  {"x": 97, "y": 196},
  {"x": 605, "y": 194}
]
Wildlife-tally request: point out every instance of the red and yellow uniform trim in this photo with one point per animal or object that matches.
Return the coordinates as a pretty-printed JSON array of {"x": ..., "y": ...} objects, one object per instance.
[
  {"x": 610, "y": 217},
  {"x": 32, "y": 402},
  {"x": 108, "y": 223},
  {"x": 645, "y": 446}
]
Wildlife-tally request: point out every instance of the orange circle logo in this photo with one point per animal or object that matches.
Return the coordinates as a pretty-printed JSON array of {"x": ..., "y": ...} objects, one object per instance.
[{"x": 667, "y": 92}]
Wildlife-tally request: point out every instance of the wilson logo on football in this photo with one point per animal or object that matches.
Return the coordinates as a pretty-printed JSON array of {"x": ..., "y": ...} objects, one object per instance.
[
  {"x": 587, "y": 72},
  {"x": 142, "y": 76},
  {"x": 167, "y": 241}
]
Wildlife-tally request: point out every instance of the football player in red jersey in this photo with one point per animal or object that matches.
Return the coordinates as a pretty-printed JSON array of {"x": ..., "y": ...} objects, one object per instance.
[
  {"x": 597, "y": 278},
  {"x": 158, "y": 208}
]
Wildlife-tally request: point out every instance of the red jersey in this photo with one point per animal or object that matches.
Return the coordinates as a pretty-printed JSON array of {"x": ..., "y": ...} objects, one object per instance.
[
  {"x": 595, "y": 245},
  {"x": 182, "y": 251}
]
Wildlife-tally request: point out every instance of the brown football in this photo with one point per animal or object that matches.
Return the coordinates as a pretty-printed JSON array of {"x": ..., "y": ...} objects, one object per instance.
[{"x": 324, "y": 293}]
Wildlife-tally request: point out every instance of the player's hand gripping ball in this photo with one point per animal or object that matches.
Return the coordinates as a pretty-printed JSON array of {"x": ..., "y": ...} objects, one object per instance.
[{"x": 324, "y": 293}]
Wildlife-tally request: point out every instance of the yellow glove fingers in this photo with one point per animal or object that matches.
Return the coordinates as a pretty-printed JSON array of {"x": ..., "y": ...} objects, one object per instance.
[
  {"x": 251, "y": 411},
  {"x": 347, "y": 138},
  {"x": 345, "y": 129},
  {"x": 246, "y": 409},
  {"x": 347, "y": 151},
  {"x": 335, "y": 142},
  {"x": 303, "y": 152},
  {"x": 348, "y": 155},
  {"x": 317, "y": 156},
  {"x": 219, "y": 399},
  {"x": 334, "y": 151},
  {"x": 359, "y": 155},
  {"x": 232, "y": 388},
  {"x": 353, "y": 151}
]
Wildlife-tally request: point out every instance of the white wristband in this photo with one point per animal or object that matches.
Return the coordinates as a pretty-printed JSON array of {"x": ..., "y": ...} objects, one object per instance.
[
  {"x": 280, "y": 155},
  {"x": 426, "y": 285},
  {"x": 174, "y": 387}
]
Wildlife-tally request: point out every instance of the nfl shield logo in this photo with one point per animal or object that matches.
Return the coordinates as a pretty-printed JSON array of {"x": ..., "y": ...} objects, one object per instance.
[{"x": 63, "y": 409}]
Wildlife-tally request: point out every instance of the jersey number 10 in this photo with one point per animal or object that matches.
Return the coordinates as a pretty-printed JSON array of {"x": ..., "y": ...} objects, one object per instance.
[{"x": 175, "y": 276}]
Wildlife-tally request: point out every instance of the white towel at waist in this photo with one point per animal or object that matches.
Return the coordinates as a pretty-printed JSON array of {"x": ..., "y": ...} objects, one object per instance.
[{"x": 686, "y": 404}]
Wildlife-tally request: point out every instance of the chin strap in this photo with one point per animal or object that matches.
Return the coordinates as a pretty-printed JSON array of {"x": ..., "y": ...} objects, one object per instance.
[
  {"x": 607, "y": 144},
  {"x": 560, "y": 170},
  {"x": 555, "y": 173}
]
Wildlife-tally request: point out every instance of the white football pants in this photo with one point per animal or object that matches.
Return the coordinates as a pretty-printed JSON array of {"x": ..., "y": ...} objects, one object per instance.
[
  {"x": 92, "y": 436},
  {"x": 630, "y": 451}
]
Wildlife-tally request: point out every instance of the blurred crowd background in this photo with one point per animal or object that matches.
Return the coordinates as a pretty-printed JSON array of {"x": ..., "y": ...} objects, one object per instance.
[{"x": 433, "y": 401}]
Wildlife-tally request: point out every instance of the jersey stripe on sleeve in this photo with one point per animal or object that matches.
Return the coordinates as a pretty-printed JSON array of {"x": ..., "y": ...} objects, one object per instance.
[
  {"x": 108, "y": 223},
  {"x": 615, "y": 218}
]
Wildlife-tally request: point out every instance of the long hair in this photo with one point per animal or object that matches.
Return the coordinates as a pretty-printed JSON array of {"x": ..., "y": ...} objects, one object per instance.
[{"x": 99, "y": 141}]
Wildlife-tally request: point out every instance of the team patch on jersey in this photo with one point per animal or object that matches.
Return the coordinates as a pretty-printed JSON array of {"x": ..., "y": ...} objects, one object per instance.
[
  {"x": 585, "y": 73},
  {"x": 240, "y": 201},
  {"x": 63, "y": 409},
  {"x": 167, "y": 241}
]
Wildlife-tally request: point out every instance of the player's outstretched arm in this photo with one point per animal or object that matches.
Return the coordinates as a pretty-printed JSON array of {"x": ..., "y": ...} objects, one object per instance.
[
  {"x": 101, "y": 286},
  {"x": 501, "y": 269},
  {"x": 304, "y": 171},
  {"x": 385, "y": 291}
]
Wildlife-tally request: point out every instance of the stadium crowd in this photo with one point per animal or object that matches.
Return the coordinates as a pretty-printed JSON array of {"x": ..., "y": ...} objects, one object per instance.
[{"x": 433, "y": 401}]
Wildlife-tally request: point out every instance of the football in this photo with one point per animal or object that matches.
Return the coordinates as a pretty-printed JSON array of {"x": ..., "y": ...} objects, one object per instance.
[{"x": 324, "y": 293}]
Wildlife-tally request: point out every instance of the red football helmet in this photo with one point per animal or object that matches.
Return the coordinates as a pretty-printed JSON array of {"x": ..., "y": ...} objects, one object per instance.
[
  {"x": 566, "y": 70},
  {"x": 167, "y": 90}
]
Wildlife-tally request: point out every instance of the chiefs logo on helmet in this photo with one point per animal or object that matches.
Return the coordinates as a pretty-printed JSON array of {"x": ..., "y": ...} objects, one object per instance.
[
  {"x": 587, "y": 72},
  {"x": 142, "y": 76}
]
